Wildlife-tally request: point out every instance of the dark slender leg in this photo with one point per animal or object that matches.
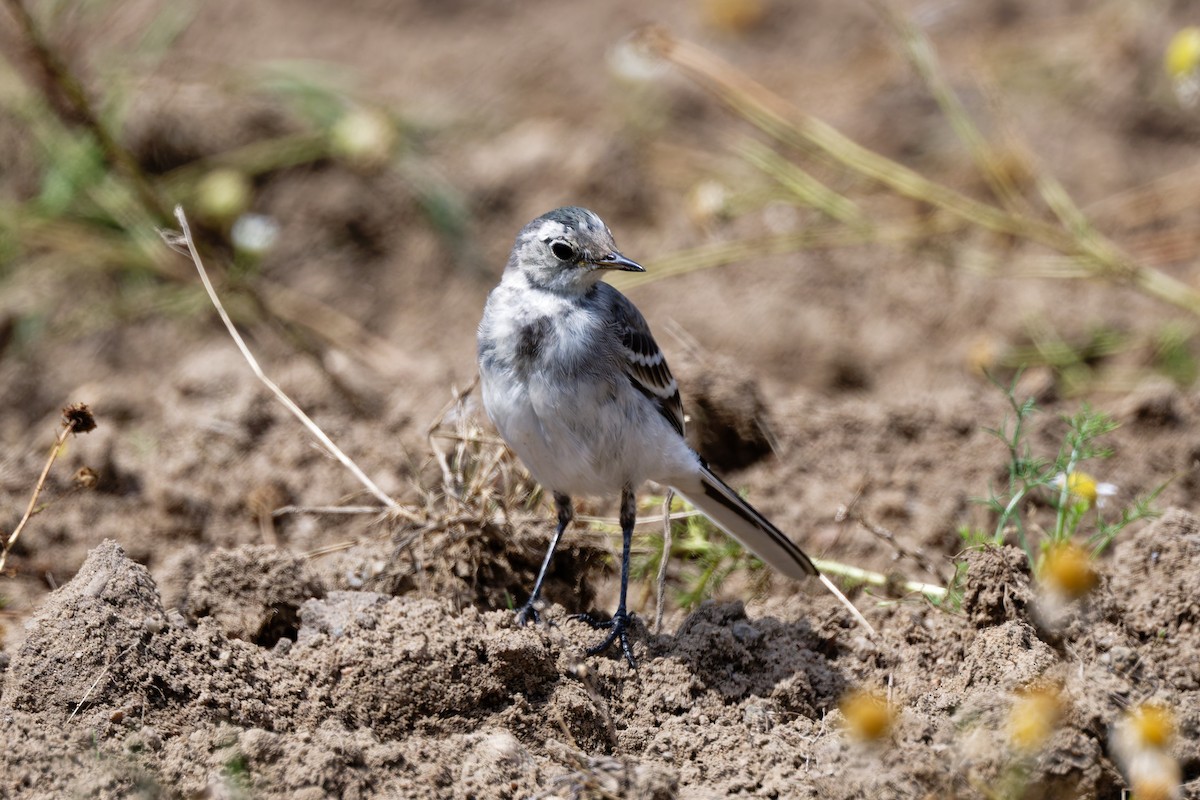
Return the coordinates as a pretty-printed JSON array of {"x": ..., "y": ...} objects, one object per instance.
[
  {"x": 619, "y": 624},
  {"x": 565, "y": 514}
]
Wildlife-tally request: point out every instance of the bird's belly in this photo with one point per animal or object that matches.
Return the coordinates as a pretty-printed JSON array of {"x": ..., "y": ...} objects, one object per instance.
[{"x": 588, "y": 438}]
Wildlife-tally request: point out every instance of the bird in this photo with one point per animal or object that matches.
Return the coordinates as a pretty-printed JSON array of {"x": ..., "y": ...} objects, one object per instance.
[{"x": 576, "y": 385}]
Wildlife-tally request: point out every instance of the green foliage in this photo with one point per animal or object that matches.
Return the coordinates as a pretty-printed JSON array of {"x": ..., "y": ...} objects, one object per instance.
[
  {"x": 953, "y": 598},
  {"x": 1173, "y": 356},
  {"x": 972, "y": 536},
  {"x": 1059, "y": 481},
  {"x": 1074, "y": 363},
  {"x": 236, "y": 777},
  {"x": 708, "y": 555},
  {"x": 77, "y": 167}
]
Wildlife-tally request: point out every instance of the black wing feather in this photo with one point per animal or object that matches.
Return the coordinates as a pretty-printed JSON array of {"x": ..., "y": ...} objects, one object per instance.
[{"x": 645, "y": 364}]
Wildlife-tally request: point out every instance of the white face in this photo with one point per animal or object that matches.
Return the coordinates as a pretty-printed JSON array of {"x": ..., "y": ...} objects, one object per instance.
[{"x": 558, "y": 251}]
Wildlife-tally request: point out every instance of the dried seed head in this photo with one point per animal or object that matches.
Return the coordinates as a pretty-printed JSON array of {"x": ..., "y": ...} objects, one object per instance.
[
  {"x": 86, "y": 478},
  {"x": 223, "y": 194},
  {"x": 734, "y": 16},
  {"x": 77, "y": 418},
  {"x": 366, "y": 138}
]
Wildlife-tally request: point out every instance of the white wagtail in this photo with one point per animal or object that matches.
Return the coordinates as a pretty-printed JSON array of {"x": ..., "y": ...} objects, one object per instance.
[{"x": 577, "y": 386}]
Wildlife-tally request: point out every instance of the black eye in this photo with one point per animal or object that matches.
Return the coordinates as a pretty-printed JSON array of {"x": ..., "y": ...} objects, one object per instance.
[{"x": 562, "y": 251}]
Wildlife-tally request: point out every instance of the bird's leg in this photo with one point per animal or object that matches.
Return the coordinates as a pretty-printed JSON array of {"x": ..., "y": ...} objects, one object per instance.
[
  {"x": 566, "y": 513},
  {"x": 619, "y": 624}
]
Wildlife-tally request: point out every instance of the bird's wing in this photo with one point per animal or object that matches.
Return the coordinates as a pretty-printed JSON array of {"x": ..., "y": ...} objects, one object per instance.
[{"x": 644, "y": 363}]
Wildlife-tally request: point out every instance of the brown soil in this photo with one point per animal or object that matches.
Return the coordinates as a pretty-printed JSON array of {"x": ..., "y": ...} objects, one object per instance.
[{"x": 163, "y": 635}]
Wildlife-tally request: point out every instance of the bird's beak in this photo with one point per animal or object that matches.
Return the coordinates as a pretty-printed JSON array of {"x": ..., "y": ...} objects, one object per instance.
[{"x": 615, "y": 260}]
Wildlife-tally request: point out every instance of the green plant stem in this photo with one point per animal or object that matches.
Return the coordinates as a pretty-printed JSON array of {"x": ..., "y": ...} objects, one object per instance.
[
  {"x": 60, "y": 75},
  {"x": 1006, "y": 515},
  {"x": 1064, "y": 494},
  {"x": 876, "y": 578}
]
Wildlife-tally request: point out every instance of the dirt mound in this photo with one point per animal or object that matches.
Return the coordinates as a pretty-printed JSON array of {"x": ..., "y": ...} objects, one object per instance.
[
  {"x": 999, "y": 589},
  {"x": 253, "y": 593},
  {"x": 380, "y": 695}
]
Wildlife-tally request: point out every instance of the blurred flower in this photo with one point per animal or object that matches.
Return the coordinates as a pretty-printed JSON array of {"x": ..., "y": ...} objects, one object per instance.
[
  {"x": 254, "y": 234},
  {"x": 1085, "y": 487},
  {"x": 364, "y": 137},
  {"x": 983, "y": 353},
  {"x": 1182, "y": 58},
  {"x": 1067, "y": 570},
  {"x": 868, "y": 715},
  {"x": 630, "y": 60},
  {"x": 1182, "y": 65},
  {"x": 1153, "y": 725},
  {"x": 734, "y": 16},
  {"x": 1154, "y": 775},
  {"x": 1033, "y": 717},
  {"x": 707, "y": 201},
  {"x": 1140, "y": 741},
  {"x": 223, "y": 194}
]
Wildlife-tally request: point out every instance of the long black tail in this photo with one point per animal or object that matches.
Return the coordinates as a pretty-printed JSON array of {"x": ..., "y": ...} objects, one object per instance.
[{"x": 743, "y": 522}]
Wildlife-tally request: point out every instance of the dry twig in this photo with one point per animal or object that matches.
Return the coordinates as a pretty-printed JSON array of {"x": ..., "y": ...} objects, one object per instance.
[
  {"x": 77, "y": 418},
  {"x": 185, "y": 244},
  {"x": 660, "y": 599}
]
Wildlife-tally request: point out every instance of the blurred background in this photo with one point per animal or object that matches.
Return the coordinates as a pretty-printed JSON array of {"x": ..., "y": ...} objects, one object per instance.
[{"x": 1027, "y": 198}]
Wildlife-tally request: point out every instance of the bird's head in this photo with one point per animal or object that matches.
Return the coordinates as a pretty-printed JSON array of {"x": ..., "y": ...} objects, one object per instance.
[{"x": 567, "y": 250}]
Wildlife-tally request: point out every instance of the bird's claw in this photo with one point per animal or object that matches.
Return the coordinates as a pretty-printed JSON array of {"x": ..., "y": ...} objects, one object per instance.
[
  {"x": 527, "y": 613},
  {"x": 618, "y": 630}
]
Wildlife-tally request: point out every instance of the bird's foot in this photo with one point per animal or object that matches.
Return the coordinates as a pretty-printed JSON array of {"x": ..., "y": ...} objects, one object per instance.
[
  {"x": 527, "y": 614},
  {"x": 618, "y": 630}
]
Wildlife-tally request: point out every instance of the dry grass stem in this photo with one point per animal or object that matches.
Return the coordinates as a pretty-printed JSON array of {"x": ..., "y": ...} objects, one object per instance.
[
  {"x": 452, "y": 480},
  {"x": 334, "y": 326},
  {"x": 656, "y": 519},
  {"x": 789, "y": 126},
  {"x": 826, "y": 237},
  {"x": 805, "y": 187},
  {"x": 660, "y": 597},
  {"x": 860, "y": 575},
  {"x": 283, "y": 511},
  {"x": 1073, "y": 236},
  {"x": 917, "y": 556},
  {"x": 843, "y": 571},
  {"x": 103, "y": 674},
  {"x": 76, "y": 419},
  {"x": 254, "y": 159},
  {"x": 188, "y": 246},
  {"x": 923, "y": 57}
]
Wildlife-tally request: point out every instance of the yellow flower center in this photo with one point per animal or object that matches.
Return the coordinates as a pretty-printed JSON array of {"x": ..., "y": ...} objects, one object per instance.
[
  {"x": 1183, "y": 53},
  {"x": 1153, "y": 724},
  {"x": 1082, "y": 486},
  {"x": 867, "y": 714},
  {"x": 1033, "y": 717},
  {"x": 1068, "y": 569}
]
